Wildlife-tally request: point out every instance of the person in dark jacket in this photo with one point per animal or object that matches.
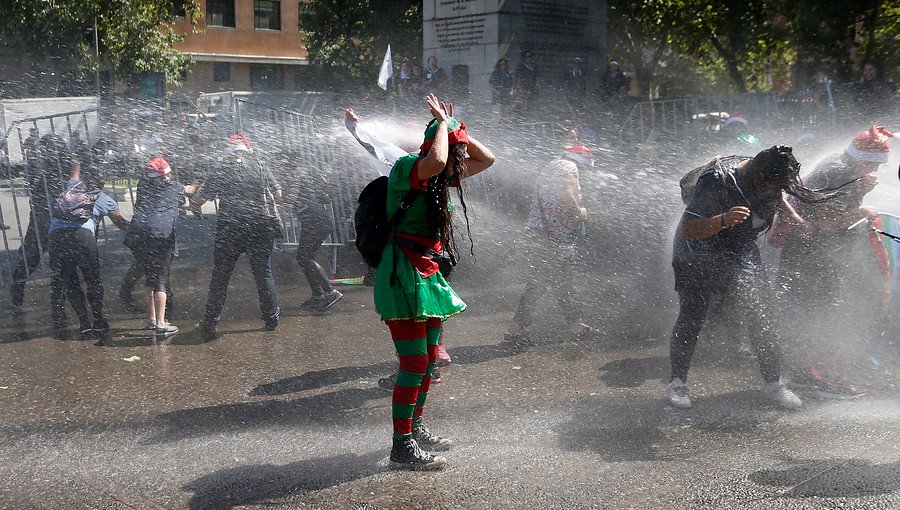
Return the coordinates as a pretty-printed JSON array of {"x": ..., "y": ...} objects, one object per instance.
[
  {"x": 151, "y": 236},
  {"x": 715, "y": 252},
  {"x": 47, "y": 169},
  {"x": 247, "y": 223}
]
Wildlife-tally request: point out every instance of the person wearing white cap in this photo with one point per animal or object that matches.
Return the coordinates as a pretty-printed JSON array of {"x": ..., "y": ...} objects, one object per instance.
[
  {"x": 614, "y": 83},
  {"x": 151, "y": 236},
  {"x": 737, "y": 131},
  {"x": 812, "y": 266}
]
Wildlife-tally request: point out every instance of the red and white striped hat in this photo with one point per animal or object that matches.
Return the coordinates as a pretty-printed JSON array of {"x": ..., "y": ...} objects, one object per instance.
[
  {"x": 158, "y": 166},
  {"x": 872, "y": 145}
]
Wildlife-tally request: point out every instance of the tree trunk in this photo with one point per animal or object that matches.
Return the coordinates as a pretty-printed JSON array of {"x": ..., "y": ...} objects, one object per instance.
[{"x": 730, "y": 63}]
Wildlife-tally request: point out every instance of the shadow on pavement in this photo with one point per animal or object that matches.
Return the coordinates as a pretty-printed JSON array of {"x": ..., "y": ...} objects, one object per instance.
[
  {"x": 646, "y": 429},
  {"x": 832, "y": 478},
  {"x": 322, "y": 378},
  {"x": 633, "y": 372},
  {"x": 246, "y": 485},
  {"x": 317, "y": 409}
]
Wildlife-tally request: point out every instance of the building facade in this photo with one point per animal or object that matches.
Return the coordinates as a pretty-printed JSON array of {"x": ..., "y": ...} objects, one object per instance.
[{"x": 244, "y": 45}]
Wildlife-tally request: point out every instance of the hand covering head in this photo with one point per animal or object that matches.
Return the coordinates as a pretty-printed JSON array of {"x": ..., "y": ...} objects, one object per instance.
[{"x": 456, "y": 133}]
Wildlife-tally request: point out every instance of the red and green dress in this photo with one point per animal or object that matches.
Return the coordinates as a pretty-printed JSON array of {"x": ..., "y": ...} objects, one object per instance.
[{"x": 418, "y": 291}]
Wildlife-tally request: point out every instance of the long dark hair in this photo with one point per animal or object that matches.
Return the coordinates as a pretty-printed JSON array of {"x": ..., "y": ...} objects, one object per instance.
[
  {"x": 437, "y": 194},
  {"x": 778, "y": 165}
]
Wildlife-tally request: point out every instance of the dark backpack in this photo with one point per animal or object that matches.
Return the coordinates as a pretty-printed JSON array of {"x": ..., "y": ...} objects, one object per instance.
[
  {"x": 371, "y": 221},
  {"x": 76, "y": 203},
  {"x": 689, "y": 181}
]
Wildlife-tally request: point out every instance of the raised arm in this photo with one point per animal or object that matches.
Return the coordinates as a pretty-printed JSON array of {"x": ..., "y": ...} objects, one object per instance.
[
  {"x": 434, "y": 163},
  {"x": 480, "y": 158}
]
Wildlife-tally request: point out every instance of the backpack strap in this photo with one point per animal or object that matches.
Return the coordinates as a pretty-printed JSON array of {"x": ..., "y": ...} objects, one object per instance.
[{"x": 405, "y": 203}]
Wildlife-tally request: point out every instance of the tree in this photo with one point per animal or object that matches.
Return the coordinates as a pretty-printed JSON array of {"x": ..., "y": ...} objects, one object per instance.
[
  {"x": 349, "y": 38},
  {"x": 729, "y": 40},
  {"x": 57, "y": 36}
]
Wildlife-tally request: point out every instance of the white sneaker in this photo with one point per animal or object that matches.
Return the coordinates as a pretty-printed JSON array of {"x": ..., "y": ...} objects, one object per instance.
[
  {"x": 782, "y": 395},
  {"x": 677, "y": 393}
]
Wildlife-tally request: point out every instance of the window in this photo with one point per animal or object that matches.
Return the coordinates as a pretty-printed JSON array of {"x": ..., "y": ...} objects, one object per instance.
[
  {"x": 267, "y": 14},
  {"x": 220, "y": 13},
  {"x": 178, "y": 8},
  {"x": 265, "y": 77},
  {"x": 306, "y": 13},
  {"x": 221, "y": 71}
]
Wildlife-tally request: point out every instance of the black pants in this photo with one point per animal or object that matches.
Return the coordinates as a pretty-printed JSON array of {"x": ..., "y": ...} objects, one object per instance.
[
  {"x": 231, "y": 241},
  {"x": 315, "y": 227},
  {"x": 73, "y": 250},
  {"x": 751, "y": 297},
  {"x": 551, "y": 268},
  {"x": 36, "y": 241}
]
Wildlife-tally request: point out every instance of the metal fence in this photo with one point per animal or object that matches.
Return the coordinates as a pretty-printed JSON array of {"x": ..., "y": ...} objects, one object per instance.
[
  {"x": 17, "y": 172},
  {"x": 311, "y": 154},
  {"x": 677, "y": 117}
]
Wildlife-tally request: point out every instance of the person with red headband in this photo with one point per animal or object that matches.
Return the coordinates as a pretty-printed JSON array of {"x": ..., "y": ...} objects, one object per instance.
[
  {"x": 151, "y": 236},
  {"x": 247, "y": 223},
  {"x": 555, "y": 220},
  {"x": 411, "y": 294},
  {"x": 812, "y": 266}
]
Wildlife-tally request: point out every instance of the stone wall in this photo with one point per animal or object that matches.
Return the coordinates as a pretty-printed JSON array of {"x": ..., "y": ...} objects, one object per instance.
[{"x": 476, "y": 33}]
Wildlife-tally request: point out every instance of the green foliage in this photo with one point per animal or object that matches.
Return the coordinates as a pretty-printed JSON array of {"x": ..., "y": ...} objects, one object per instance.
[
  {"x": 349, "y": 38},
  {"x": 135, "y": 35},
  {"x": 741, "y": 45}
]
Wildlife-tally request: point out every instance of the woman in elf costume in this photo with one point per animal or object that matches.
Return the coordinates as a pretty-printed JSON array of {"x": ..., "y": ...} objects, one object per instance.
[{"x": 410, "y": 293}]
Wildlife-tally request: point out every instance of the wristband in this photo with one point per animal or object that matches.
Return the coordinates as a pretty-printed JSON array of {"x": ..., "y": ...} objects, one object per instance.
[{"x": 722, "y": 220}]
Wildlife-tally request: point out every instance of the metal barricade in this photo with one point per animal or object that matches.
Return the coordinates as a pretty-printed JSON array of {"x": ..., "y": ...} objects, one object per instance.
[
  {"x": 273, "y": 128},
  {"x": 698, "y": 115},
  {"x": 18, "y": 198}
]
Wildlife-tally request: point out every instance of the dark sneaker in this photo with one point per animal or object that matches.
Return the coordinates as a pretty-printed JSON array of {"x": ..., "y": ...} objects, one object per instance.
[
  {"x": 839, "y": 390},
  {"x": 436, "y": 376},
  {"x": 387, "y": 383},
  {"x": 428, "y": 441},
  {"x": 406, "y": 454},
  {"x": 328, "y": 299},
  {"x": 808, "y": 379},
  {"x": 86, "y": 334},
  {"x": 272, "y": 321}
]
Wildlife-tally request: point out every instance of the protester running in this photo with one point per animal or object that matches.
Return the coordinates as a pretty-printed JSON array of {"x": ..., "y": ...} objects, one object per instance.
[
  {"x": 732, "y": 202},
  {"x": 411, "y": 295}
]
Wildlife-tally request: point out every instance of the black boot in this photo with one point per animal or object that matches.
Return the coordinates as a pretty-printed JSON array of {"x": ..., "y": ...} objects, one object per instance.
[
  {"x": 428, "y": 441},
  {"x": 406, "y": 454}
]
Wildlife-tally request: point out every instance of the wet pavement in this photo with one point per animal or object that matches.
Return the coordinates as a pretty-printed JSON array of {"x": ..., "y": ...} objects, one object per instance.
[{"x": 295, "y": 418}]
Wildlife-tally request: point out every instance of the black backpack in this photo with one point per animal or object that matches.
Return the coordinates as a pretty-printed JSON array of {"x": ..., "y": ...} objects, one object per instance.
[
  {"x": 689, "y": 181},
  {"x": 371, "y": 221}
]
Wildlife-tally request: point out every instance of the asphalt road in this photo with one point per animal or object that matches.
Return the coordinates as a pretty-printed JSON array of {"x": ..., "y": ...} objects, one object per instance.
[{"x": 295, "y": 418}]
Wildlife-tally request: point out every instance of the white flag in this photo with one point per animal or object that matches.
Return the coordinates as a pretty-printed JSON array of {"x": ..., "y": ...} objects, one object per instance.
[{"x": 387, "y": 69}]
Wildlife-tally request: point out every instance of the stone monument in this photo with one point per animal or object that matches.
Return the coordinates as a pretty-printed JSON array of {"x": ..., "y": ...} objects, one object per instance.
[{"x": 469, "y": 36}]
